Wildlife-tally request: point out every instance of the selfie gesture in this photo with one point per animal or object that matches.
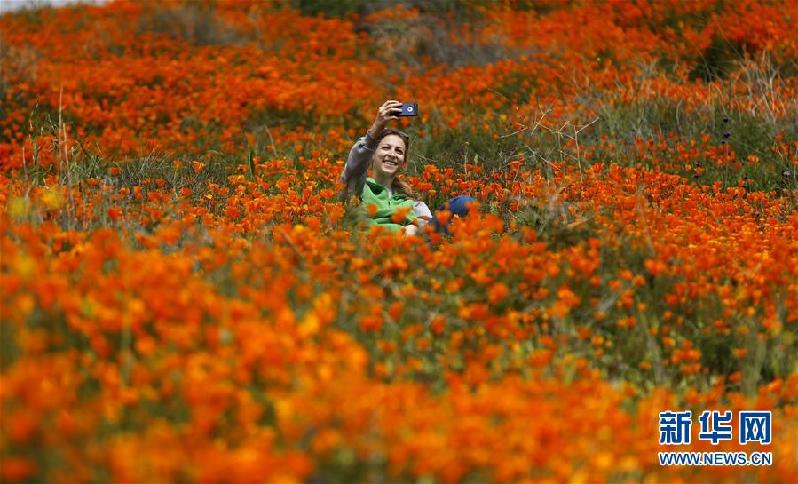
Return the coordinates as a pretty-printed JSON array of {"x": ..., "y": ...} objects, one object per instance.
[{"x": 386, "y": 199}]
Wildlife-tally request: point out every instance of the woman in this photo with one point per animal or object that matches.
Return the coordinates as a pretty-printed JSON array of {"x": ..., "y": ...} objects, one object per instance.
[{"x": 385, "y": 152}]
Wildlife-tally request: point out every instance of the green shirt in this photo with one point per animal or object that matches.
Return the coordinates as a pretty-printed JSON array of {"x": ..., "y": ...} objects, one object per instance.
[{"x": 387, "y": 205}]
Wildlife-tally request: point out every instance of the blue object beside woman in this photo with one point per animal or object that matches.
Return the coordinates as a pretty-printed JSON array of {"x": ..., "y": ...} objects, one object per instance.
[{"x": 458, "y": 206}]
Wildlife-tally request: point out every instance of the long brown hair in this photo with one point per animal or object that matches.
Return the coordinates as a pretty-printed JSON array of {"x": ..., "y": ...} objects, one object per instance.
[{"x": 398, "y": 185}]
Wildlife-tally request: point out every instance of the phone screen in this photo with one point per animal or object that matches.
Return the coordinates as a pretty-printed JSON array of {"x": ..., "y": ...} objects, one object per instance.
[{"x": 409, "y": 109}]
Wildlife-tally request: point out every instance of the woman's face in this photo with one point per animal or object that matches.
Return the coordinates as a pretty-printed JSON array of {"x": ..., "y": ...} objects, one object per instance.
[{"x": 389, "y": 157}]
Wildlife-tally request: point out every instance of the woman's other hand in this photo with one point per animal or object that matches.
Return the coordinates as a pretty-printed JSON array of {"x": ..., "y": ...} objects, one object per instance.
[{"x": 389, "y": 110}]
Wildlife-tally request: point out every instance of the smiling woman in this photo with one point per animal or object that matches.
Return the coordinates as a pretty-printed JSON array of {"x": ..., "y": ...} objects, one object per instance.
[{"x": 386, "y": 200}]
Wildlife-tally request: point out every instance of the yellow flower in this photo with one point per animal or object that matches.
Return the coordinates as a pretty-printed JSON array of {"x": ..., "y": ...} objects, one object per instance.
[
  {"x": 52, "y": 198},
  {"x": 25, "y": 266},
  {"x": 18, "y": 207}
]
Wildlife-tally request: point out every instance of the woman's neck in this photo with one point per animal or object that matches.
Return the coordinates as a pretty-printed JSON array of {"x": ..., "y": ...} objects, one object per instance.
[{"x": 384, "y": 179}]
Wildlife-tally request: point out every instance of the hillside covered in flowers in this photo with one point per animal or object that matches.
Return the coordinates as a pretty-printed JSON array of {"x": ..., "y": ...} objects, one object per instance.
[{"x": 183, "y": 296}]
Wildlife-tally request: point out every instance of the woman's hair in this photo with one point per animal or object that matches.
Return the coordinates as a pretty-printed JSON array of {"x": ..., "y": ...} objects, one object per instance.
[{"x": 399, "y": 185}]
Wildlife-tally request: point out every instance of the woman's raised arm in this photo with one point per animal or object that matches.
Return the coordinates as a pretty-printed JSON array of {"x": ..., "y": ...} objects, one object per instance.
[{"x": 358, "y": 160}]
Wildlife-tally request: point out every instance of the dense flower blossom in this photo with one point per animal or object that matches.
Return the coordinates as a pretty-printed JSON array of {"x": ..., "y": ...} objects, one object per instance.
[{"x": 181, "y": 297}]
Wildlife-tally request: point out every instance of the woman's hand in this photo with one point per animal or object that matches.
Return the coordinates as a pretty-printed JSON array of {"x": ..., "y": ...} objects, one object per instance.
[
  {"x": 411, "y": 230},
  {"x": 389, "y": 110}
]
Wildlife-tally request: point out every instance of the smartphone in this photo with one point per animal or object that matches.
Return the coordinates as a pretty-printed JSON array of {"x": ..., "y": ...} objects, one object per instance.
[{"x": 409, "y": 109}]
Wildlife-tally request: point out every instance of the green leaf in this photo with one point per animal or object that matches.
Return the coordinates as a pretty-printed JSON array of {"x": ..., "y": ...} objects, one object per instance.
[{"x": 251, "y": 165}]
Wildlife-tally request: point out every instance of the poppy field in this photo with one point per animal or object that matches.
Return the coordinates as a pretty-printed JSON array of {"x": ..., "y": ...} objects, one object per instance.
[{"x": 185, "y": 298}]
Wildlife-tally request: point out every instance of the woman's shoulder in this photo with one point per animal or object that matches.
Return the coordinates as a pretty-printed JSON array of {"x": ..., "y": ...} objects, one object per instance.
[{"x": 421, "y": 209}]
